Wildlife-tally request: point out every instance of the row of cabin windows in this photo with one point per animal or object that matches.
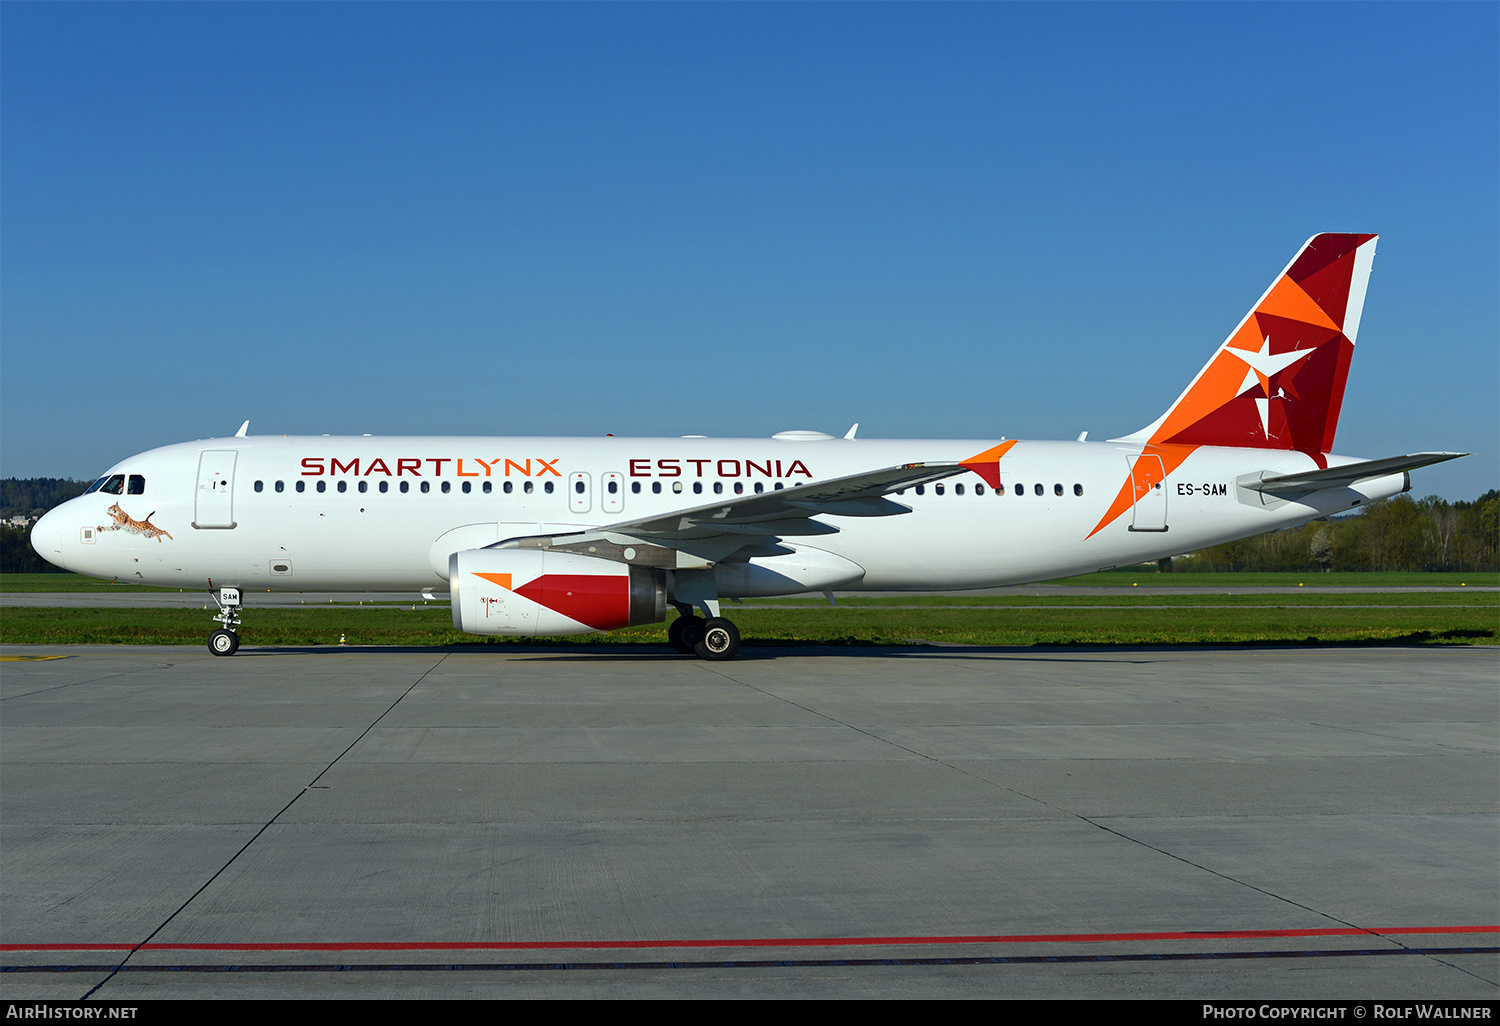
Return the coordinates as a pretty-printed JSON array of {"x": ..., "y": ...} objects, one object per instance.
[
  {"x": 137, "y": 486},
  {"x": 1016, "y": 489},
  {"x": 486, "y": 487},
  {"x": 119, "y": 484},
  {"x": 527, "y": 487},
  {"x": 737, "y": 487}
]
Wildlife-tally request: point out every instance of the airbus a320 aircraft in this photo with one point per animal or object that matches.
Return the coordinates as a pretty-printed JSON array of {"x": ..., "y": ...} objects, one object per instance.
[{"x": 542, "y": 536}]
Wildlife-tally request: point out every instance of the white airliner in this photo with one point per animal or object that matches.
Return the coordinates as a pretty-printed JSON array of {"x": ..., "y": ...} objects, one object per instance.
[{"x": 543, "y": 536}]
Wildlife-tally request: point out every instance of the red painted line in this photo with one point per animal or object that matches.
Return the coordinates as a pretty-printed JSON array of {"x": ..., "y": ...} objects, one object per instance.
[{"x": 759, "y": 942}]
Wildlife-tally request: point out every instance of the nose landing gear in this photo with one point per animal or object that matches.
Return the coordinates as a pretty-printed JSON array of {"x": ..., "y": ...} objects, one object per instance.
[{"x": 225, "y": 641}]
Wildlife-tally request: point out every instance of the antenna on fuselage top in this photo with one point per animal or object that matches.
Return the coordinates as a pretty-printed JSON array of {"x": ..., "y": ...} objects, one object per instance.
[{"x": 244, "y": 430}]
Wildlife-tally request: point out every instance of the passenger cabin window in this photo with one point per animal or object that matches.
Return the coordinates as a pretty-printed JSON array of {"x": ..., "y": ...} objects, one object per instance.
[
  {"x": 260, "y": 486},
  {"x": 322, "y": 486},
  {"x": 447, "y": 486},
  {"x": 301, "y": 486},
  {"x": 1037, "y": 489},
  {"x": 488, "y": 487},
  {"x": 405, "y": 487},
  {"x": 281, "y": 486},
  {"x": 468, "y": 488},
  {"x": 364, "y": 486},
  {"x": 547, "y": 487},
  {"x": 1078, "y": 489},
  {"x": 343, "y": 486},
  {"x": 1057, "y": 489},
  {"x": 426, "y": 487},
  {"x": 385, "y": 486}
]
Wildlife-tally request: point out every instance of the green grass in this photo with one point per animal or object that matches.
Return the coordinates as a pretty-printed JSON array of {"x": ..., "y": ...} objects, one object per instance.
[
  {"x": 1057, "y": 623},
  {"x": 1460, "y": 613},
  {"x": 69, "y": 583},
  {"x": 1308, "y": 597},
  {"x": 1147, "y": 575}
]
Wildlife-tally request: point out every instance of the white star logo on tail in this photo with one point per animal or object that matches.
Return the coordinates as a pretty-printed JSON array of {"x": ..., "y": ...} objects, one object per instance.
[{"x": 1260, "y": 367}]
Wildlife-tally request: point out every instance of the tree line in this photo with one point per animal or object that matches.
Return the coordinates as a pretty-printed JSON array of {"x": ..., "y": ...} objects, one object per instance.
[
  {"x": 29, "y": 497},
  {"x": 33, "y": 496},
  {"x": 1390, "y": 534}
]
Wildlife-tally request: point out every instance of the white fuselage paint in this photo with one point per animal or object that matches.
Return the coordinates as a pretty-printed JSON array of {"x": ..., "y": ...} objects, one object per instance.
[{"x": 377, "y": 541}]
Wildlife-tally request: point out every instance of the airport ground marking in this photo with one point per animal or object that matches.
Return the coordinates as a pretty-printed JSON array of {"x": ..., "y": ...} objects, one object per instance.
[
  {"x": 767, "y": 963},
  {"x": 764, "y": 942}
]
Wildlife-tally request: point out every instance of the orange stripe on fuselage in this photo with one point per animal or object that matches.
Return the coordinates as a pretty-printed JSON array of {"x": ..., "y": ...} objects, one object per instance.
[{"x": 1139, "y": 483}]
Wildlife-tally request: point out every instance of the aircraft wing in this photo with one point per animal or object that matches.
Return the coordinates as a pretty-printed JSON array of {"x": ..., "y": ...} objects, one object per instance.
[
  {"x": 744, "y": 525},
  {"x": 1341, "y": 477}
]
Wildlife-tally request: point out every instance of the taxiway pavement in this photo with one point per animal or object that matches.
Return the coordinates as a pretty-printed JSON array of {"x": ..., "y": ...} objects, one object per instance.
[{"x": 616, "y": 821}]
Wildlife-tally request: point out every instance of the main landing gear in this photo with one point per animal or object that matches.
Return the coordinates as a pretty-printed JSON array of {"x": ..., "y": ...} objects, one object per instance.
[
  {"x": 685, "y": 632},
  {"x": 715, "y": 638},
  {"x": 721, "y": 639},
  {"x": 225, "y": 641},
  {"x": 709, "y": 636}
]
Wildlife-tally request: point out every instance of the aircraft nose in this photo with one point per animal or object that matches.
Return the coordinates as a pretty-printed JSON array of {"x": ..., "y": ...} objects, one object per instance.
[{"x": 48, "y": 537}]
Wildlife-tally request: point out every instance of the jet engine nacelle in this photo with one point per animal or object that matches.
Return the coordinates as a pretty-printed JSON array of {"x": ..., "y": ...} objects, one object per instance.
[{"x": 533, "y": 591}]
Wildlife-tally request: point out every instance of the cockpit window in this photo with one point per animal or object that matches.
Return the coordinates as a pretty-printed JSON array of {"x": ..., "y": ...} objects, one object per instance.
[
  {"x": 113, "y": 485},
  {"x": 136, "y": 485}
]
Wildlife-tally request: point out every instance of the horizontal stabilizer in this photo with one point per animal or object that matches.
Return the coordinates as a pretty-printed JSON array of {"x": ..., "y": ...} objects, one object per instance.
[{"x": 1346, "y": 475}]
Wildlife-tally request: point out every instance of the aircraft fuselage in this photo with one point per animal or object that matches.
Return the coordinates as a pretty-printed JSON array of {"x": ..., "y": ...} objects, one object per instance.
[{"x": 384, "y": 513}]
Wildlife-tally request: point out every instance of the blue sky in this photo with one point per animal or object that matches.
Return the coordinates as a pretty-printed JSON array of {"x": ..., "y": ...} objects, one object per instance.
[{"x": 939, "y": 220}]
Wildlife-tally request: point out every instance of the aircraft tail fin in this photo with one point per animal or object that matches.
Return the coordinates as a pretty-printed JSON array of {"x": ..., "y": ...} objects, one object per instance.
[{"x": 1277, "y": 382}]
